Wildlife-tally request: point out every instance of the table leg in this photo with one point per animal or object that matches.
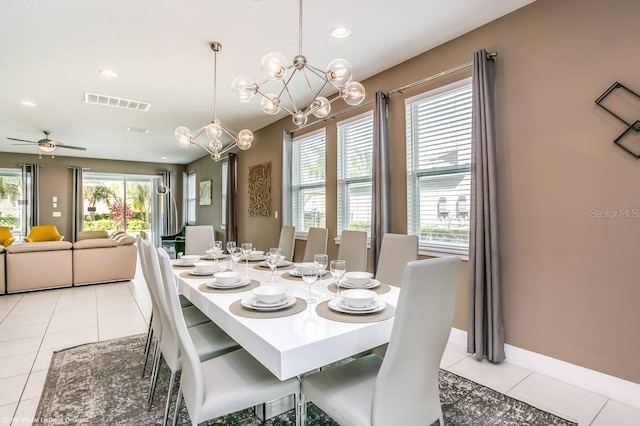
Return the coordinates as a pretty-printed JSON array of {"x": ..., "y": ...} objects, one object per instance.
[{"x": 301, "y": 407}]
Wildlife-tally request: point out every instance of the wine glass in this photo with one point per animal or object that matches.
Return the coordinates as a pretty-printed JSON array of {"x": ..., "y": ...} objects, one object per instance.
[
  {"x": 310, "y": 276},
  {"x": 217, "y": 249},
  {"x": 230, "y": 245},
  {"x": 338, "y": 269},
  {"x": 273, "y": 257},
  {"x": 321, "y": 261},
  {"x": 246, "y": 250},
  {"x": 235, "y": 253}
]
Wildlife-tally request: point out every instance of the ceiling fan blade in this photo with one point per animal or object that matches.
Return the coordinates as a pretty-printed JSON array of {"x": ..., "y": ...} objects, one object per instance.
[
  {"x": 80, "y": 148},
  {"x": 21, "y": 144},
  {"x": 20, "y": 140}
]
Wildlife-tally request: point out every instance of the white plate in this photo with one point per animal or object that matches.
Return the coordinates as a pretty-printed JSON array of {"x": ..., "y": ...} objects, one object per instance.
[
  {"x": 280, "y": 264},
  {"x": 251, "y": 303},
  {"x": 337, "y": 305},
  {"x": 178, "y": 262},
  {"x": 241, "y": 282},
  {"x": 370, "y": 284},
  {"x": 253, "y": 258},
  {"x": 202, "y": 274},
  {"x": 214, "y": 257},
  {"x": 296, "y": 273}
]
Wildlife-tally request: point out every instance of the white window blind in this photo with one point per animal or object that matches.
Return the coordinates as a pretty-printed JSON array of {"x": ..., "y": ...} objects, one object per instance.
[
  {"x": 308, "y": 181},
  {"x": 355, "y": 145},
  {"x": 223, "y": 204},
  {"x": 439, "y": 167},
  {"x": 191, "y": 198}
]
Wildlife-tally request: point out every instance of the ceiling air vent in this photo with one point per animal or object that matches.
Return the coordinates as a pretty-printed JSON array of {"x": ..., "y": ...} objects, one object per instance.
[{"x": 94, "y": 98}]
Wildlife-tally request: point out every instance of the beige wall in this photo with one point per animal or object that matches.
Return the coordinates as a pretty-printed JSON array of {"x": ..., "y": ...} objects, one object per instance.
[
  {"x": 56, "y": 181},
  {"x": 570, "y": 283}
]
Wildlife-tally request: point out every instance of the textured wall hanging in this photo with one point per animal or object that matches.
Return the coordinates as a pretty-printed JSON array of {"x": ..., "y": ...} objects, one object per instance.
[
  {"x": 629, "y": 101},
  {"x": 260, "y": 189},
  {"x": 205, "y": 193}
]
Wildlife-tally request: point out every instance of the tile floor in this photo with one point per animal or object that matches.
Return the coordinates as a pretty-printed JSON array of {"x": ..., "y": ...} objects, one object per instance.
[{"x": 33, "y": 325}]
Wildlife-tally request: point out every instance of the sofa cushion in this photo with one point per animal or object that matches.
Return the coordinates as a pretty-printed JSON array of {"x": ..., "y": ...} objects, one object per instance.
[
  {"x": 95, "y": 243},
  {"x": 2, "y": 249},
  {"x": 122, "y": 238},
  {"x": 41, "y": 246},
  {"x": 86, "y": 235},
  {"x": 40, "y": 233}
]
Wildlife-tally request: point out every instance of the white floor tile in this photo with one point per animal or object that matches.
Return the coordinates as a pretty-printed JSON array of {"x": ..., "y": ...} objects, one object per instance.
[
  {"x": 560, "y": 398},
  {"x": 114, "y": 331},
  {"x": 12, "y": 320},
  {"x": 11, "y": 389},
  {"x": 6, "y": 414},
  {"x": 26, "y": 412},
  {"x": 3, "y": 313},
  {"x": 16, "y": 365},
  {"x": 35, "y": 384},
  {"x": 61, "y": 324},
  {"x": 8, "y": 301},
  {"x": 119, "y": 317},
  {"x": 453, "y": 354},
  {"x": 501, "y": 377},
  {"x": 20, "y": 346},
  {"x": 35, "y": 330},
  {"x": 124, "y": 304},
  {"x": 42, "y": 361},
  {"x": 70, "y": 339},
  {"x": 618, "y": 414}
]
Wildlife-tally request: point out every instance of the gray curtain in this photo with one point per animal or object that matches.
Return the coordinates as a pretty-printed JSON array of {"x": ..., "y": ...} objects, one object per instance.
[
  {"x": 168, "y": 227},
  {"x": 380, "y": 197},
  {"x": 485, "y": 336},
  {"x": 231, "y": 230},
  {"x": 30, "y": 203},
  {"x": 76, "y": 200},
  {"x": 285, "y": 207}
]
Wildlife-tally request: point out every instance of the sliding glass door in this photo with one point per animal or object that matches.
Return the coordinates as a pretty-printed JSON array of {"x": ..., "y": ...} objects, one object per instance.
[
  {"x": 11, "y": 202},
  {"x": 121, "y": 202}
]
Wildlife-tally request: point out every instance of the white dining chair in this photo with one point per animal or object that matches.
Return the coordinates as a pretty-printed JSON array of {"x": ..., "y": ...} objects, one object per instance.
[
  {"x": 287, "y": 241},
  {"x": 209, "y": 340},
  {"x": 316, "y": 243},
  {"x": 395, "y": 252},
  {"x": 154, "y": 321},
  {"x": 198, "y": 239},
  {"x": 401, "y": 388},
  {"x": 224, "y": 384},
  {"x": 353, "y": 250}
]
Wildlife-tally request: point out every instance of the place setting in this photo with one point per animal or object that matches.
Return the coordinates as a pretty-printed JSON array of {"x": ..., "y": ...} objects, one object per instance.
[
  {"x": 185, "y": 260},
  {"x": 355, "y": 306},
  {"x": 295, "y": 274},
  {"x": 228, "y": 282},
  {"x": 358, "y": 280},
  {"x": 268, "y": 301},
  {"x": 203, "y": 270}
]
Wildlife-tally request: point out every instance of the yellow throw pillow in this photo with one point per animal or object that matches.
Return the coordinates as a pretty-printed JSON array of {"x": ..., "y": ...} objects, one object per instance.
[
  {"x": 43, "y": 233},
  {"x": 7, "y": 242}
]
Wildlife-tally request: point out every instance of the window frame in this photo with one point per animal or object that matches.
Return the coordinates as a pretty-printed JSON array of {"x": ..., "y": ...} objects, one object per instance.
[
  {"x": 188, "y": 200},
  {"x": 224, "y": 171},
  {"x": 415, "y": 174}
]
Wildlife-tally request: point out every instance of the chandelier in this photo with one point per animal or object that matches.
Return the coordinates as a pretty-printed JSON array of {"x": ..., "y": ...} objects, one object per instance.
[
  {"x": 275, "y": 68},
  {"x": 214, "y": 130}
]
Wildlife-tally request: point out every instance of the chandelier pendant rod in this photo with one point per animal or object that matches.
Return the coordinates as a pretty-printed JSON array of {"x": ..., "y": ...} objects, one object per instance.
[
  {"x": 306, "y": 77},
  {"x": 300, "y": 28},
  {"x": 215, "y": 46}
]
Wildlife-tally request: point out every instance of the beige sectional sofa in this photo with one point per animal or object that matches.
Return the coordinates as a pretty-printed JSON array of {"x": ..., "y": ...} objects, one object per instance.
[{"x": 96, "y": 257}]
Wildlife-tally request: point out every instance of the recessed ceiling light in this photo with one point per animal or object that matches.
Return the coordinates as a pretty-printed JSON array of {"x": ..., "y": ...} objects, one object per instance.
[
  {"x": 108, "y": 73},
  {"x": 137, "y": 130},
  {"x": 27, "y": 103},
  {"x": 340, "y": 32},
  {"x": 163, "y": 157}
]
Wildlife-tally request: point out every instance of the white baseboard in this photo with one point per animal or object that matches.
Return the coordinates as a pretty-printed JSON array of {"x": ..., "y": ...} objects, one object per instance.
[{"x": 591, "y": 380}]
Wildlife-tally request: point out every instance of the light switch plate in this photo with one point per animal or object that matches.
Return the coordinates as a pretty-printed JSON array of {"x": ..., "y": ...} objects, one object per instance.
[
  {"x": 55, "y": 199},
  {"x": 57, "y": 214}
]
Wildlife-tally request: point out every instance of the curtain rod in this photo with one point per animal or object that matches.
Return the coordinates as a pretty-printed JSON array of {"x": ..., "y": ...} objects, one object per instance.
[{"x": 491, "y": 56}]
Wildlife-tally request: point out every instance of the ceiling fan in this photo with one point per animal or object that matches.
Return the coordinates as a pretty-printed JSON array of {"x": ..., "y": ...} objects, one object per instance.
[{"x": 47, "y": 145}]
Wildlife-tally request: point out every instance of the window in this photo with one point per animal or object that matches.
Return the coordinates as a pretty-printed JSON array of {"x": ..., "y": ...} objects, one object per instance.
[
  {"x": 12, "y": 201},
  {"x": 225, "y": 171},
  {"x": 439, "y": 167},
  {"x": 190, "y": 204},
  {"x": 355, "y": 145},
  {"x": 308, "y": 181}
]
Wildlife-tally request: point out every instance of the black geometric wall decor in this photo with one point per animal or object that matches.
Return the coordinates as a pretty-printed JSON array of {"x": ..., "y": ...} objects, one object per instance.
[{"x": 629, "y": 140}]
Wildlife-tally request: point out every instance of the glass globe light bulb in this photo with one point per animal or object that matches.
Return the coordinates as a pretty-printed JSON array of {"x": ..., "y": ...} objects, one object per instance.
[
  {"x": 215, "y": 156},
  {"x": 274, "y": 66},
  {"x": 339, "y": 72},
  {"x": 182, "y": 132},
  {"x": 353, "y": 93},
  {"x": 243, "y": 88},
  {"x": 213, "y": 130},
  {"x": 215, "y": 145},
  {"x": 245, "y": 137},
  {"x": 321, "y": 107},
  {"x": 270, "y": 104},
  {"x": 299, "y": 118},
  {"x": 184, "y": 142}
]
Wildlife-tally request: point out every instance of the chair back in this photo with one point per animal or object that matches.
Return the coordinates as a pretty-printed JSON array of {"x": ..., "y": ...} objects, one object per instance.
[
  {"x": 316, "y": 243},
  {"x": 287, "y": 241},
  {"x": 169, "y": 341},
  {"x": 191, "y": 379},
  {"x": 156, "y": 321},
  {"x": 406, "y": 390},
  {"x": 353, "y": 250},
  {"x": 198, "y": 239},
  {"x": 395, "y": 252}
]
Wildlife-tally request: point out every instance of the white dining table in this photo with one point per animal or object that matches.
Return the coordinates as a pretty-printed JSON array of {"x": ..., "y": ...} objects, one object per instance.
[{"x": 293, "y": 345}]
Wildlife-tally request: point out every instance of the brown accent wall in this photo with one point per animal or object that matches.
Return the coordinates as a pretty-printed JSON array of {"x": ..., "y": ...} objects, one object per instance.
[
  {"x": 570, "y": 281},
  {"x": 56, "y": 181},
  {"x": 206, "y": 169}
]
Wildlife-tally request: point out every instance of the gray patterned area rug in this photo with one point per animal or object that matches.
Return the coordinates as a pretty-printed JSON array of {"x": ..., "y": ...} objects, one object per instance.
[{"x": 100, "y": 384}]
